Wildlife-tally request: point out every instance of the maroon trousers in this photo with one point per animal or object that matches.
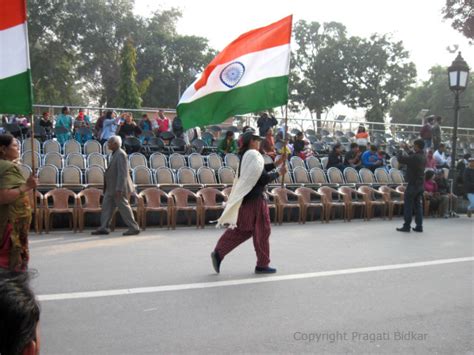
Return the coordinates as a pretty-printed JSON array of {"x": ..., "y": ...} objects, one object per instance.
[{"x": 253, "y": 221}]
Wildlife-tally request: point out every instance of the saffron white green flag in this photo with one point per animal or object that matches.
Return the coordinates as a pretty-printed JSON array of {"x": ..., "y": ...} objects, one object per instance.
[
  {"x": 249, "y": 75},
  {"x": 15, "y": 75}
]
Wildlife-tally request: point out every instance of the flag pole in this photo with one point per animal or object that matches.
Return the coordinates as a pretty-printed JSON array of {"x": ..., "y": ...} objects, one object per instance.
[
  {"x": 33, "y": 160},
  {"x": 285, "y": 152}
]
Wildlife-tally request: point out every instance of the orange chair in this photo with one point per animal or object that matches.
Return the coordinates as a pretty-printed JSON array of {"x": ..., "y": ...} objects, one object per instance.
[
  {"x": 306, "y": 198},
  {"x": 61, "y": 204},
  {"x": 88, "y": 201},
  {"x": 210, "y": 201},
  {"x": 151, "y": 201},
  {"x": 393, "y": 198},
  {"x": 185, "y": 200},
  {"x": 353, "y": 199},
  {"x": 373, "y": 198},
  {"x": 283, "y": 202},
  {"x": 333, "y": 200}
]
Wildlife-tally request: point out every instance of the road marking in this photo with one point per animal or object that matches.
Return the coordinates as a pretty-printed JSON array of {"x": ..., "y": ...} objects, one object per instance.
[{"x": 254, "y": 280}]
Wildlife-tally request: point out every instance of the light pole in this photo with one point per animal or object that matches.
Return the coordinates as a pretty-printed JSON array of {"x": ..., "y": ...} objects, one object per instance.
[{"x": 458, "y": 74}]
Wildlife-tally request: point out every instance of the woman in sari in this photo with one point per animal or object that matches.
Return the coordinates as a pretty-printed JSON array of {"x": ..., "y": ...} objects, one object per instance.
[{"x": 15, "y": 212}]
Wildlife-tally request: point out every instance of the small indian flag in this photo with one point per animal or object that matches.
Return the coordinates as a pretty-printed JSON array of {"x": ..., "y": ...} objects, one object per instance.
[
  {"x": 249, "y": 75},
  {"x": 15, "y": 76}
]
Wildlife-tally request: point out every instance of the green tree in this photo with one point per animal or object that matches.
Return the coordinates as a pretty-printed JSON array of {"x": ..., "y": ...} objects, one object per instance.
[
  {"x": 129, "y": 95},
  {"x": 318, "y": 77},
  {"x": 461, "y": 14},
  {"x": 378, "y": 73},
  {"x": 434, "y": 95}
]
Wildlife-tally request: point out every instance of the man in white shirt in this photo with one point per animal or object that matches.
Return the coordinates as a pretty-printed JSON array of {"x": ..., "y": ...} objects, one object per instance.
[{"x": 440, "y": 157}]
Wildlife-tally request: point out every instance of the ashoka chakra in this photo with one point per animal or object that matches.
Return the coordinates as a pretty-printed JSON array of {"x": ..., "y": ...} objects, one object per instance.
[{"x": 232, "y": 73}]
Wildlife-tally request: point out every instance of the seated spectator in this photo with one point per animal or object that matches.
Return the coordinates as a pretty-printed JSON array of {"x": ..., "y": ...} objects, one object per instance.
[
  {"x": 20, "y": 315},
  {"x": 177, "y": 127},
  {"x": 110, "y": 124},
  {"x": 383, "y": 154},
  {"x": 353, "y": 157},
  {"x": 440, "y": 157},
  {"x": 370, "y": 158},
  {"x": 301, "y": 146},
  {"x": 430, "y": 161},
  {"x": 468, "y": 179},
  {"x": 129, "y": 127},
  {"x": 267, "y": 146},
  {"x": 64, "y": 120},
  {"x": 47, "y": 124},
  {"x": 82, "y": 121},
  {"x": 227, "y": 144},
  {"x": 146, "y": 125},
  {"x": 362, "y": 138},
  {"x": 445, "y": 190},
  {"x": 163, "y": 122},
  {"x": 438, "y": 202},
  {"x": 336, "y": 158}
]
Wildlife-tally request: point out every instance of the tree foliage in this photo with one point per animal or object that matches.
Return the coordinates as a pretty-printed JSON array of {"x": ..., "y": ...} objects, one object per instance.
[
  {"x": 434, "y": 95},
  {"x": 461, "y": 15},
  {"x": 129, "y": 94}
]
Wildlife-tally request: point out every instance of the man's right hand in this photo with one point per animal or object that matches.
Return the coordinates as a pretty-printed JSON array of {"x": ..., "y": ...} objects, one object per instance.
[{"x": 32, "y": 182}]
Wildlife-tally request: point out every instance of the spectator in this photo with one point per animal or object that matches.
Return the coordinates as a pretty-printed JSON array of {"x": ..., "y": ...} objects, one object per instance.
[
  {"x": 129, "y": 127},
  {"x": 20, "y": 315},
  {"x": 468, "y": 178},
  {"x": 64, "y": 120},
  {"x": 440, "y": 157},
  {"x": 227, "y": 144},
  {"x": 47, "y": 124},
  {"x": 265, "y": 122},
  {"x": 461, "y": 166},
  {"x": 244, "y": 129},
  {"x": 177, "y": 127},
  {"x": 426, "y": 132},
  {"x": 110, "y": 124},
  {"x": 370, "y": 158},
  {"x": 436, "y": 132},
  {"x": 362, "y": 138},
  {"x": 82, "y": 121},
  {"x": 299, "y": 146},
  {"x": 146, "y": 125},
  {"x": 438, "y": 202},
  {"x": 268, "y": 144},
  {"x": 163, "y": 122},
  {"x": 335, "y": 158},
  {"x": 353, "y": 157},
  {"x": 383, "y": 154},
  {"x": 445, "y": 190},
  {"x": 430, "y": 161}
]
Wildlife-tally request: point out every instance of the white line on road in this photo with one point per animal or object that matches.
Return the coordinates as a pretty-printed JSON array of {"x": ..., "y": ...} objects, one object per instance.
[{"x": 255, "y": 280}]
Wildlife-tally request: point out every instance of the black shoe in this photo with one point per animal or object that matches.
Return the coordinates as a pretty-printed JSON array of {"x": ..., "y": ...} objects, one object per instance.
[
  {"x": 216, "y": 261},
  {"x": 418, "y": 229},
  {"x": 404, "y": 229},
  {"x": 265, "y": 270},
  {"x": 100, "y": 232},
  {"x": 131, "y": 232}
]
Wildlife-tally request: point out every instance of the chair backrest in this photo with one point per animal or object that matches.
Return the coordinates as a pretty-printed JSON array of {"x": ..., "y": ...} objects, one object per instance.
[
  {"x": 318, "y": 176},
  {"x": 91, "y": 196},
  {"x": 368, "y": 191},
  {"x": 351, "y": 176},
  {"x": 214, "y": 161},
  {"x": 96, "y": 159},
  {"x": 48, "y": 175},
  {"x": 76, "y": 159},
  {"x": 26, "y": 159},
  {"x": 141, "y": 175},
  {"x": 366, "y": 176},
  {"x": 53, "y": 158},
  {"x": 206, "y": 175},
  {"x": 181, "y": 196},
  {"x": 105, "y": 149},
  {"x": 164, "y": 175},
  {"x": 307, "y": 194},
  {"x": 335, "y": 176},
  {"x": 226, "y": 175},
  {"x": 210, "y": 195},
  {"x": 71, "y": 175},
  {"x": 177, "y": 161},
  {"x": 95, "y": 175},
  {"x": 152, "y": 196},
  {"x": 27, "y": 145},
  {"x": 232, "y": 160},
  {"x": 381, "y": 175},
  {"x": 186, "y": 175},
  {"x": 324, "y": 162},
  {"x": 195, "y": 161},
  {"x": 396, "y": 176},
  {"x": 72, "y": 146},
  {"x": 281, "y": 193},
  {"x": 50, "y": 146},
  {"x": 92, "y": 146},
  {"x": 25, "y": 170},
  {"x": 62, "y": 198},
  {"x": 136, "y": 160},
  {"x": 296, "y": 161},
  {"x": 301, "y": 175},
  {"x": 328, "y": 192},
  {"x": 158, "y": 160},
  {"x": 288, "y": 179},
  {"x": 394, "y": 163}
]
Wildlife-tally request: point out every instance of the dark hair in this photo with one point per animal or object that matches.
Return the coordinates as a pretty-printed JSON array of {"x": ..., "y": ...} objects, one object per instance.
[
  {"x": 419, "y": 143},
  {"x": 361, "y": 129},
  {"x": 373, "y": 147},
  {"x": 20, "y": 312},
  {"x": 64, "y": 109},
  {"x": 108, "y": 114},
  {"x": 438, "y": 118},
  {"x": 441, "y": 145},
  {"x": 467, "y": 156},
  {"x": 245, "y": 129},
  {"x": 229, "y": 134},
  {"x": 354, "y": 145},
  {"x": 6, "y": 139},
  {"x": 335, "y": 146},
  {"x": 145, "y": 115},
  {"x": 429, "y": 174}
]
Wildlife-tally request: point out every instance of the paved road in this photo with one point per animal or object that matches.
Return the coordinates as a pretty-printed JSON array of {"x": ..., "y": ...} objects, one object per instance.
[{"x": 423, "y": 308}]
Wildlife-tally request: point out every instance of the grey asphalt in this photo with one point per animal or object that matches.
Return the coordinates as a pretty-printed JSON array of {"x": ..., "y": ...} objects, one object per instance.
[{"x": 422, "y": 310}]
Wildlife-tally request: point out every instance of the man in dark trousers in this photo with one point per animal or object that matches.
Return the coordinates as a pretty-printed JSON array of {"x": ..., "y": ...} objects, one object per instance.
[{"x": 415, "y": 162}]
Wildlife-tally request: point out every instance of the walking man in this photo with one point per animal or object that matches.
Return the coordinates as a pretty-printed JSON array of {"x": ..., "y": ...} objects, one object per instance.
[
  {"x": 117, "y": 189},
  {"x": 413, "y": 198}
]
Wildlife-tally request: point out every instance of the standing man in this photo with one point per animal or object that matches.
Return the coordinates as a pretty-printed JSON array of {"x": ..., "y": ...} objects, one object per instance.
[
  {"x": 436, "y": 132},
  {"x": 117, "y": 189},
  {"x": 265, "y": 122},
  {"x": 413, "y": 197}
]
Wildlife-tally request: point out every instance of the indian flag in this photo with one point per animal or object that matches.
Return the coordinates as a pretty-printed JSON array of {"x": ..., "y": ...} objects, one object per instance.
[
  {"x": 15, "y": 75},
  {"x": 249, "y": 75}
]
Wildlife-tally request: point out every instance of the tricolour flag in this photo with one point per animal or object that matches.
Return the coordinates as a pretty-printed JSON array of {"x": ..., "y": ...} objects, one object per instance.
[
  {"x": 15, "y": 75},
  {"x": 249, "y": 75}
]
